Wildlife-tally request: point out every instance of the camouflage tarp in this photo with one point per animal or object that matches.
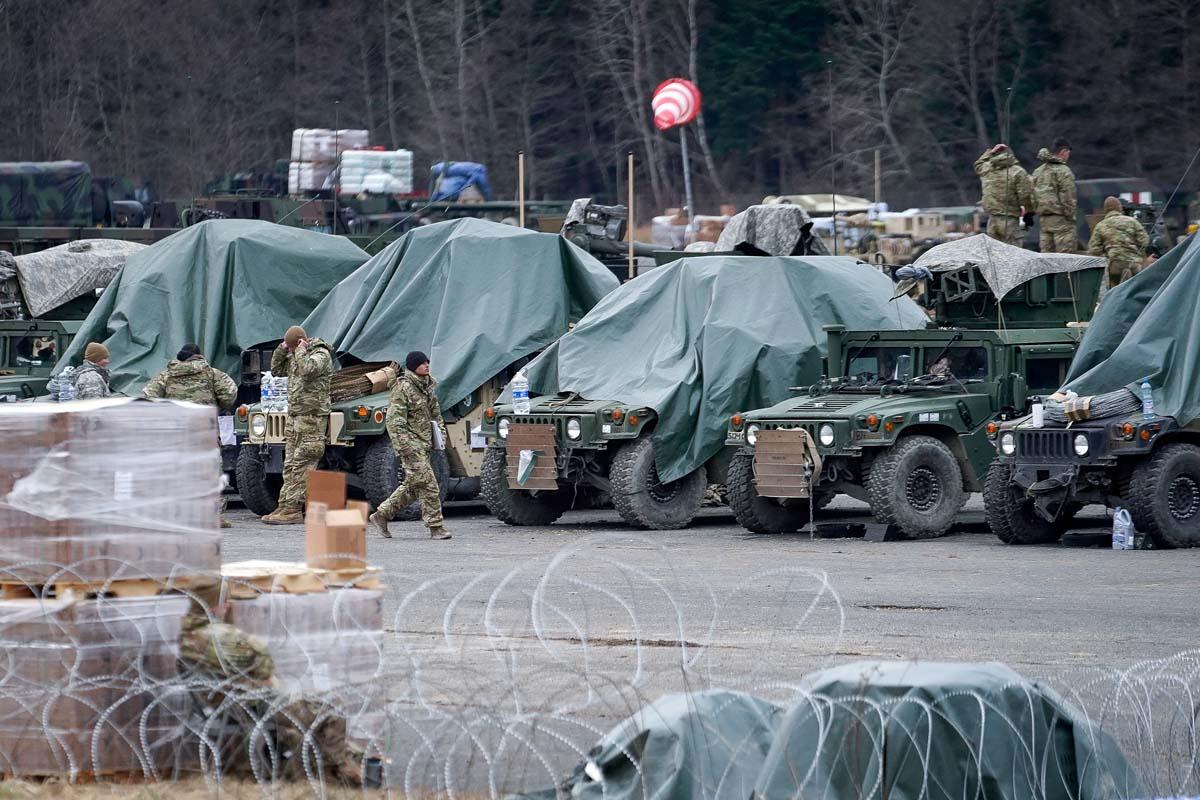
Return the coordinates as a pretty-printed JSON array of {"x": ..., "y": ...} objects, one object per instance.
[
  {"x": 53, "y": 277},
  {"x": 53, "y": 193},
  {"x": 775, "y": 230},
  {"x": 1004, "y": 266}
]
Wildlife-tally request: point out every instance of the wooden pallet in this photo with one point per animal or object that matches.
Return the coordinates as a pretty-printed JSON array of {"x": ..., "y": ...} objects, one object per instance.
[
  {"x": 120, "y": 587},
  {"x": 249, "y": 579}
]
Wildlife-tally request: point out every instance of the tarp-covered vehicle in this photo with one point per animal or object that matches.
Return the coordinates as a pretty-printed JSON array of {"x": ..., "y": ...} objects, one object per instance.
[
  {"x": 634, "y": 401},
  {"x": 1100, "y": 442},
  {"x": 903, "y": 422},
  {"x": 476, "y": 297}
]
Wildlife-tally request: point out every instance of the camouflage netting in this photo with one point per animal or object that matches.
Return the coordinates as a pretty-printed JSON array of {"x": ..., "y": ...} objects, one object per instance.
[
  {"x": 1004, "y": 267},
  {"x": 55, "y": 276},
  {"x": 55, "y": 193},
  {"x": 775, "y": 230}
]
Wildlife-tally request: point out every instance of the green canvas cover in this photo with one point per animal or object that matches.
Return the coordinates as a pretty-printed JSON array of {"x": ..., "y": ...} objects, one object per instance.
[
  {"x": 223, "y": 284},
  {"x": 703, "y": 338},
  {"x": 1148, "y": 327},
  {"x": 473, "y": 295},
  {"x": 51, "y": 193}
]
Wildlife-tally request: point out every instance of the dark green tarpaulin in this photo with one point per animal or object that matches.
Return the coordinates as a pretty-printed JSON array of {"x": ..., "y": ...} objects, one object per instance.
[
  {"x": 705, "y": 337},
  {"x": 475, "y": 296},
  {"x": 223, "y": 284},
  {"x": 1148, "y": 327}
]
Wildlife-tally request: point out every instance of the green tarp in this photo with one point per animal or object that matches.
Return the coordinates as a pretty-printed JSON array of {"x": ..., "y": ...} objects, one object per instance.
[
  {"x": 46, "y": 193},
  {"x": 223, "y": 284},
  {"x": 1148, "y": 327},
  {"x": 863, "y": 731},
  {"x": 475, "y": 296},
  {"x": 703, "y": 338}
]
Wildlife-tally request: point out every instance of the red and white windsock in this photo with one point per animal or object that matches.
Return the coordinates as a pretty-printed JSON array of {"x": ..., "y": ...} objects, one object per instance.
[{"x": 675, "y": 102}]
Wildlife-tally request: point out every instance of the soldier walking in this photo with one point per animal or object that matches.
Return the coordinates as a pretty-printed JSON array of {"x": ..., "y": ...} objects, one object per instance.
[
  {"x": 308, "y": 364},
  {"x": 1120, "y": 239},
  {"x": 190, "y": 378},
  {"x": 1007, "y": 193},
  {"x": 413, "y": 410},
  {"x": 1054, "y": 190}
]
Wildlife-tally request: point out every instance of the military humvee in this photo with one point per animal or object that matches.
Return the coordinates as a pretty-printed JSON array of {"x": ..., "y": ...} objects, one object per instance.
[{"x": 904, "y": 422}]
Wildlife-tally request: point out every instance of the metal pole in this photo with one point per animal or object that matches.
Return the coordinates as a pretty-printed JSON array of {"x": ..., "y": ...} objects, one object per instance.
[
  {"x": 521, "y": 186},
  {"x": 629, "y": 215},
  {"x": 687, "y": 179},
  {"x": 877, "y": 177},
  {"x": 832, "y": 160}
]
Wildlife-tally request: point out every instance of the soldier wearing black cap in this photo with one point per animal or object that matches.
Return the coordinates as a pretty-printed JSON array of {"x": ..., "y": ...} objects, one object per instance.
[{"x": 413, "y": 412}]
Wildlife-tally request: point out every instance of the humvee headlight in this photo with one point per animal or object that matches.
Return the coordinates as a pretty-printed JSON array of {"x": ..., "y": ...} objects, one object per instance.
[
  {"x": 574, "y": 429},
  {"x": 825, "y": 434},
  {"x": 502, "y": 427},
  {"x": 1081, "y": 445},
  {"x": 1008, "y": 443},
  {"x": 258, "y": 426},
  {"x": 751, "y": 434}
]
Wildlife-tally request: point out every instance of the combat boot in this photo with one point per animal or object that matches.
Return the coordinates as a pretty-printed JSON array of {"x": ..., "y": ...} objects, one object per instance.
[
  {"x": 379, "y": 521},
  {"x": 284, "y": 517},
  {"x": 438, "y": 532}
]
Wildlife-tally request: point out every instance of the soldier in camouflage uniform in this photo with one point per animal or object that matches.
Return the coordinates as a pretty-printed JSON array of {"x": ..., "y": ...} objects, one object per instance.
[
  {"x": 413, "y": 410},
  {"x": 1054, "y": 188},
  {"x": 91, "y": 379},
  {"x": 1120, "y": 239},
  {"x": 308, "y": 364},
  {"x": 1007, "y": 193}
]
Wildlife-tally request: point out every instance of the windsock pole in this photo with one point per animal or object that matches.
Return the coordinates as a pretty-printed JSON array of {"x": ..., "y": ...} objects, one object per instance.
[
  {"x": 629, "y": 215},
  {"x": 521, "y": 187}
]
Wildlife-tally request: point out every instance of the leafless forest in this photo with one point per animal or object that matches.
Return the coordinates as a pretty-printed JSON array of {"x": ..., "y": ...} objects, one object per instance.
[{"x": 796, "y": 91}]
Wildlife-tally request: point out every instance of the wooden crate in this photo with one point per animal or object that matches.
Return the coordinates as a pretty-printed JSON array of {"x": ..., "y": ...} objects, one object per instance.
[{"x": 780, "y": 457}]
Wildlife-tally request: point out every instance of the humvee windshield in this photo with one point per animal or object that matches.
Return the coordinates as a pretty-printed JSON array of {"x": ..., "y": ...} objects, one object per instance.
[
  {"x": 34, "y": 351},
  {"x": 876, "y": 363},
  {"x": 1046, "y": 375},
  {"x": 964, "y": 363}
]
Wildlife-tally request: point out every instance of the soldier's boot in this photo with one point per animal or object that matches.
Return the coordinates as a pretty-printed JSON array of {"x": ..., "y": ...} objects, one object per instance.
[
  {"x": 381, "y": 522},
  {"x": 438, "y": 532},
  {"x": 290, "y": 516},
  {"x": 226, "y": 523}
]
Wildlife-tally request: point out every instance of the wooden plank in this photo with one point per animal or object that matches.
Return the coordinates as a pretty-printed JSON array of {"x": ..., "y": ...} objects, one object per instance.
[{"x": 121, "y": 587}]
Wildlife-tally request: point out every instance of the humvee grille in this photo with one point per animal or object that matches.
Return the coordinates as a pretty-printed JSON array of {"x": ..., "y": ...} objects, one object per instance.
[
  {"x": 808, "y": 427},
  {"x": 1045, "y": 444},
  {"x": 276, "y": 427}
]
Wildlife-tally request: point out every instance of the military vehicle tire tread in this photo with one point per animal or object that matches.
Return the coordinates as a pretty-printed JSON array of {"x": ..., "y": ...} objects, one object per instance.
[
  {"x": 885, "y": 486},
  {"x": 381, "y": 473},
  {"x": 1150, "y": 490},
  {"x": 759, "y": 514},
  {"x": 633, "y": 474},
  {"x": 1012, "y": 518},
  {"x": 258, "y": 490},
  {"x": 515, "y": 506}
]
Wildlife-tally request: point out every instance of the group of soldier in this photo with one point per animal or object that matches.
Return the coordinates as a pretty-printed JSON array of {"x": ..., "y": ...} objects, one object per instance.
[{"x": 1011, "y": 198}]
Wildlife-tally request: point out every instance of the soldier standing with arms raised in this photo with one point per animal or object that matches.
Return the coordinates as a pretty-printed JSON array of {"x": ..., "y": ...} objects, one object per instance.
[
  {"x": 413, "y": 411},
  {"x": 1054, "y": 188},
  {"x": 308, "y": 364},
  {"x": 1007, "y": 193},
  {"x": 1120, "y": 239}
]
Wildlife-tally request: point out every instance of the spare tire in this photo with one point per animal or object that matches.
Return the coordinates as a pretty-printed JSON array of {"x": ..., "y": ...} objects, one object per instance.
[{"x": 645, "y": 501}]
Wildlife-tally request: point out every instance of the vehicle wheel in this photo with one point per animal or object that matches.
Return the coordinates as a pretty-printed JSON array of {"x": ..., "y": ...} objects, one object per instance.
[
  {"x": 1164, "y": 496},
  {"x": 258, "y": 489},
  {"x": 380, "y": 473},
  {"x": 643, "y": 500},
  {"x": 761, "y": 514},
  {"x": 1010, "y": 515},
  {"x": 516, "y": 506},
  {"x": 917, "y": 486}
]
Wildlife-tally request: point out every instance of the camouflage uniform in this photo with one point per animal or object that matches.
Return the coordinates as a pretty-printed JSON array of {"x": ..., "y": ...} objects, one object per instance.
[
  {"x": 91, "y": 381},
  {"x": 309, "y": 370},
  {"x": 1054, "y": 188},
  {"x": 194, "y": 381},
  {"x": 1006, "y": 188},
  {"x": 412, "y": 410},
  {"x": 1122, "y": 240}
]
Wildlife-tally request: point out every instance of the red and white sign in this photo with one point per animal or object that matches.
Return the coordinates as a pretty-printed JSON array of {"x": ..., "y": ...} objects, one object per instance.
[{"x": 675, "y": 102}]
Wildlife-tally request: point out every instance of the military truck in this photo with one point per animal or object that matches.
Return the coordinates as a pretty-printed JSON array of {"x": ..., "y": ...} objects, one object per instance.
[{"x": 903, "y": 422}]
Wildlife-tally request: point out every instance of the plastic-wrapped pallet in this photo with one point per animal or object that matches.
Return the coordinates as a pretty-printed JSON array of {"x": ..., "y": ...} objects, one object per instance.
[
  {"x": 90, "y": 686},
  {"x": 376, "y": 172},
  {"x": 108, "y": 489},
  {"x": 308, "y": 176},
  {"x": 321, "y": 642},
  {"x": 323, "y": 144}
]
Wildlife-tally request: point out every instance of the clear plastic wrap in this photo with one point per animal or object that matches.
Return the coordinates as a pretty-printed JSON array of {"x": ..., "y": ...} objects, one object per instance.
[
  {"x": 320, "y": 642},
  {"x": 108, "y": 489},
  {"x": 90, "y": 686}
]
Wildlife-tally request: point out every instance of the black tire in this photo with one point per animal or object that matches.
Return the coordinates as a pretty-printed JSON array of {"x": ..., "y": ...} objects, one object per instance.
[
  {"x": 917, "y": 485},
  {"x": 516, "y": 506},
  {"x": 380, "y": 473},
  {"x": 258, "y": 489},
  {"x": 761, "y": 514},
  {"x": 1164, "y": 496},
  {"x": 1010, "y": 515},
  {"x": 643, "y": 500}
]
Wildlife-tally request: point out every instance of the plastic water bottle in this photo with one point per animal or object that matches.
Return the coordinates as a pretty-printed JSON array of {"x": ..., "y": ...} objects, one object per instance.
[
  {"x": 66, "y": 385},
  {"x": 1123, "y": 532},
  {"x": 520, "y": 393},
  {"x": 265, "y": 389},
  {"x": 1147, "y": 400}
]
